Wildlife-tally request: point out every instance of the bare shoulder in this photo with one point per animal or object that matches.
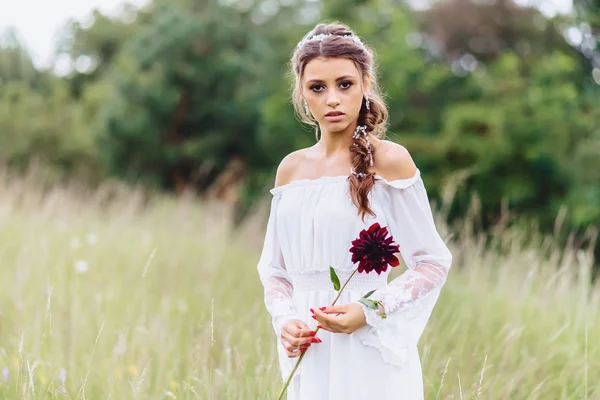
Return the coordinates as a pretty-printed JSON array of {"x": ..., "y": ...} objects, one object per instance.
[
  {"x": 393, "y": 161},
  {"x": 288, "y": 166}
]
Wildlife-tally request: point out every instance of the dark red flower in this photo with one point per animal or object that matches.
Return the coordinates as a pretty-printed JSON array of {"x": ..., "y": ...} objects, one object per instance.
[{"x": 373, "y": 250}]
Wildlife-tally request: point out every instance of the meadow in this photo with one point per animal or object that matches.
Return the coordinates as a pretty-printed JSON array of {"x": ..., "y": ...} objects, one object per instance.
[{"x": 118, "y": 293}]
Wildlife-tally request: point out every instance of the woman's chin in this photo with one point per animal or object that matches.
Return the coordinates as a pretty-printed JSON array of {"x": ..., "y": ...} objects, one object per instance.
[{"x": 336, "y": 126}]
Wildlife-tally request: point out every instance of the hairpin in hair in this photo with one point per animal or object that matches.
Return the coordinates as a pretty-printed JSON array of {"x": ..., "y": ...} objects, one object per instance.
[
  {"x": 322, "y": 36},
  {"x": 359, "y": 175},
  {"x": 362, "y": 129}
]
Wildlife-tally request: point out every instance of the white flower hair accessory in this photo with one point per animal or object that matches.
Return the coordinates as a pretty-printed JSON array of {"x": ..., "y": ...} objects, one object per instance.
[
  {"x": 320, "y": 37},
  {"x": 362, "y": 130}
]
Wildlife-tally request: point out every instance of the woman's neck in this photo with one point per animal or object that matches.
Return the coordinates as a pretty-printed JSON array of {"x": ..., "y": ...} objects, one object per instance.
[{"x": 332, "y": 144}]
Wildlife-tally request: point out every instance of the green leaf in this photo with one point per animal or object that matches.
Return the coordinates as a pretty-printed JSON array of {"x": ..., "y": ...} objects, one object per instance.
[
  {"x": 372, "y": 304},
  {"x": 369, "y": 294},
  {"x": 369, "y": 303},
  {"x": 334, "y": 278}
]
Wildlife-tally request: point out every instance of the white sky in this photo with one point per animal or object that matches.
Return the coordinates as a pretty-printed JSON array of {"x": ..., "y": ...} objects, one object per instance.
[{"x": 38, "y": 21}]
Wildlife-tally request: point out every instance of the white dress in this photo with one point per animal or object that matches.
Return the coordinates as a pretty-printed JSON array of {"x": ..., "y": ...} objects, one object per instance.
[{"x": 311, "y": 226}]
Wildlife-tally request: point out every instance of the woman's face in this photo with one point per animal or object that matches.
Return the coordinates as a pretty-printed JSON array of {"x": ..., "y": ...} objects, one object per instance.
[{"x": 333, "y": 85}]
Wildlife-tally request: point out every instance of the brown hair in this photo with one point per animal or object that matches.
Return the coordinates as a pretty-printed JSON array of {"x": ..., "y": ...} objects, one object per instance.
[{"x": 375, "y": 119}]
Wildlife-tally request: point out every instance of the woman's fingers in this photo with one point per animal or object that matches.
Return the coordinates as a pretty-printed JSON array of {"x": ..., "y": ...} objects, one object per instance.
[
  {"x": 297, "y": 329},
  {"x": 299, "y": 332},
  {"x": 341, "y": 319},
  {"x": 328, "y": 327},
  {"x": 303, "y": 333},
  {"x": 296, "y": 341},
  {"x": 296, "y": 346},
  {"x": 329, "y": 322},
  {"x": 300, "y": 324},
  {"x": 296, "y": 337},
  {"x": 334, "y": 309},
  {"x": 292, "y": 351}
]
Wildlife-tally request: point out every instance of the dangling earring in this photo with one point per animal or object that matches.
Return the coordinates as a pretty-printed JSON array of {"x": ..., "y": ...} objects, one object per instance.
[
  {"x": 306, "y": 106},
  {"x": 367, "y": 102}
]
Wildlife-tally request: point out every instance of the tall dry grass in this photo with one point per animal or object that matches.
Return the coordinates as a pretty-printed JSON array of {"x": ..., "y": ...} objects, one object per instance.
[{"x": 117, "y": 294}]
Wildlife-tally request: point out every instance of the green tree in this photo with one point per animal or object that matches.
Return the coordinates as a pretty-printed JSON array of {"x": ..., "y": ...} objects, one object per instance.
[
  {"x": 185, "y": 96},
  {"x": 39, "y": 121},
  {"x": 15, "y": 62},
  {"x": 45, "y": 128}
]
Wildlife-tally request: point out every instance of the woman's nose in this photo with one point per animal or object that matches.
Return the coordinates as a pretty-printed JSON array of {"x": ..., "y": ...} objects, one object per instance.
[{"x": 332, "y": 99}]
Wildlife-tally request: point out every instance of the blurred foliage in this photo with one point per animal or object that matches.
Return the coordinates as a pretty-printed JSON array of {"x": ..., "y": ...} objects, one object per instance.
[
  {"x": 40, "y": 122},
  {"x": 176, "y": 93}
]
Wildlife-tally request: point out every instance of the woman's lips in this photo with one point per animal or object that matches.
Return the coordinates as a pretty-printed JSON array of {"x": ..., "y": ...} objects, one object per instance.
[{"x": 337, "y": 117}]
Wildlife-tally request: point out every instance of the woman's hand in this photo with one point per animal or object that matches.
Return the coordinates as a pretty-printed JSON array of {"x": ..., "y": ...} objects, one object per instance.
[
  {"x": 351, "y": 318},
  {"x": 296, "y": 337}
]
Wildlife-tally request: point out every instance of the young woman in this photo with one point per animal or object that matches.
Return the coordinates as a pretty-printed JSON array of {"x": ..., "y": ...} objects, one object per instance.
[{"x": 323, "y": 197}]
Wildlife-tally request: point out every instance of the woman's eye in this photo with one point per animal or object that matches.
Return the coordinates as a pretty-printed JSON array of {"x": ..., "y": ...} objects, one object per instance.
[{"x": 343, "y": 85}]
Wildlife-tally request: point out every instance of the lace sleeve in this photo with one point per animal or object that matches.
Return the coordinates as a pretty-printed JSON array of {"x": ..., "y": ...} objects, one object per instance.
[
  {"x": 278, "y": 289},
  {"x": 409, "y": 299}
]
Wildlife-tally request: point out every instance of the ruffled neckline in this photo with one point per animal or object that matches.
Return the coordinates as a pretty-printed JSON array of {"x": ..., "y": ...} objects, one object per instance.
[{"x": 337, "y": 179}]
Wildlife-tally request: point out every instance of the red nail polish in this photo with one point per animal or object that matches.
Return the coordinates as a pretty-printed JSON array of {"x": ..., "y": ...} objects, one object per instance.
[
  {"x": 313, "y": 317},
  {"x": 319, "y": 326},
  {"x": 311, "y": 310},
  {"x": 316, "y": 340},
  {"x": 322, "y": 308},
  {"x": 302, "y": 350},
  {"x": 312, "y": 333},
  {"x": 306, "y": 345}
]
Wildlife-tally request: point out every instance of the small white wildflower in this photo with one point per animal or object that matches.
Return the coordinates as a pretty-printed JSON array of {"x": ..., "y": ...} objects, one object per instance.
[
  {"x": 5, "y": 373},
  {"x": 62, "y": 375},
  {"x": 81, "y": 266},
  {"x": 92, "y": 239}
]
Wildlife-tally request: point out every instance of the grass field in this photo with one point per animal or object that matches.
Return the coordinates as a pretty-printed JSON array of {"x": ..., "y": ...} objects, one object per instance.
[{"x": 107, "y": 295}]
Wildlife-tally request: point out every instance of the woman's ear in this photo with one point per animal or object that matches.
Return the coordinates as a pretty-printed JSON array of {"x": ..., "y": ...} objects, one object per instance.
[{"x": 367, "y": 83}]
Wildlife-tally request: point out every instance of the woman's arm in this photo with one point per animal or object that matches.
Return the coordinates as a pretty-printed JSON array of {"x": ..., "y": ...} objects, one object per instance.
[{"x": 278, "y": 288}]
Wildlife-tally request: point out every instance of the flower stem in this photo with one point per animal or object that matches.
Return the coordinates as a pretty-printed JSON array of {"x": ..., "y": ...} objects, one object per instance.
[
  {"x": 342, "y": 288},
  {"x": 287, "y": 383}
]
